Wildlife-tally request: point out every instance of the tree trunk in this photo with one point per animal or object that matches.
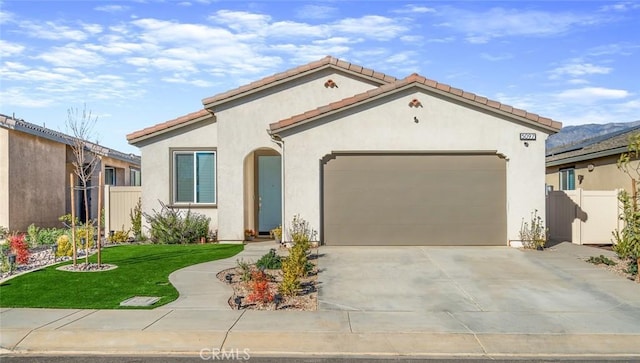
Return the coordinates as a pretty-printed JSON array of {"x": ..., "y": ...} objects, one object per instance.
[
  {"x": 73, "y": 220},
  {"x": 86, "y": 224},
  {"x": 100, "y": 187}
]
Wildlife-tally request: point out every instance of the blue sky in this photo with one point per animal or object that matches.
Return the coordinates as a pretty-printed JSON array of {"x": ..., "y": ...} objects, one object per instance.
[{"x": 138, "y": 63}]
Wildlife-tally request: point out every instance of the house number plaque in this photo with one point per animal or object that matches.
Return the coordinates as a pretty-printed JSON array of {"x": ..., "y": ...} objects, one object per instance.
[{"x": 528, "y": 136}]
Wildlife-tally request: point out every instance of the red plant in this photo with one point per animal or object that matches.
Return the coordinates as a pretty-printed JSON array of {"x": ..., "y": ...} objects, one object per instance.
[
  {"x": 20, "y": 248},
  {"x": 259, "y": 287}
]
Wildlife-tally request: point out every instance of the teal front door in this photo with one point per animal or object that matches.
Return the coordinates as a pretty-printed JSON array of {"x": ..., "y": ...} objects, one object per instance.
[{"x": 269, "y": 193}]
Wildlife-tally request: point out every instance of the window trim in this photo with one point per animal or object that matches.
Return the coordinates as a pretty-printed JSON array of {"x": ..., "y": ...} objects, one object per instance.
[
  {"x": 561, "y": 173},
  {"x": 172, "y": 176},
  {"x": 113, "y": 179},
  {"x": 131, "y": 180}
]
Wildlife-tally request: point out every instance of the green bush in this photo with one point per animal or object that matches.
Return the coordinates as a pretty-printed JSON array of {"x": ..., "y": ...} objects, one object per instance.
[
  {"x": 119, "y": 236},
  {"x": 65, "y": 247},
  {"x": 598, "y": 260},
  {"x": 49, "y": 236},
  {"x": 270, "y": 261},
  {"x": 136, "y": 220},
  {"x": 169, "y": 226},
  {"x": 290, "y": 281},
  {"x": 245, "y": 270},
  {"x": 32, "y": 233}
]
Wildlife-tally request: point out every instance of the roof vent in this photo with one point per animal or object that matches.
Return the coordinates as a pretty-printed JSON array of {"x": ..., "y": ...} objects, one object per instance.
[{"x": 330, "y": 84}]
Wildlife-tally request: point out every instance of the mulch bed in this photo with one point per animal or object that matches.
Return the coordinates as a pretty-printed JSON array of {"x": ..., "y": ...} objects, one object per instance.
[{"x": 305, "y": 300}]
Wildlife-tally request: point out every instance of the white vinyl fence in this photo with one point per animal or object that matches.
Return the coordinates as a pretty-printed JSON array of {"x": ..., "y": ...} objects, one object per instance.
[
  {"x": 119, "y": 201},
  {"x": 583, "y": 216}
]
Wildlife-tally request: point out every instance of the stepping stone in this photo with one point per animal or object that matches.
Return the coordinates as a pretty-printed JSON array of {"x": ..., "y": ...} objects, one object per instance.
[{"x": 140, "y": 301}]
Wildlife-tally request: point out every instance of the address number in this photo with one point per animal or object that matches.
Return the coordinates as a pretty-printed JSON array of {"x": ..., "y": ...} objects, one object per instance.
[{"x": 528, "y": 136}]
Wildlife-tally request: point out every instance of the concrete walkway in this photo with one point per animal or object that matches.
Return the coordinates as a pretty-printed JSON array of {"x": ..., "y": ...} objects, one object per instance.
[{"x": 200, "y": 322}]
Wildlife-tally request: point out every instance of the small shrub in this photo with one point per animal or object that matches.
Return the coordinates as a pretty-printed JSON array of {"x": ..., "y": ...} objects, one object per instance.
[
  {"x": 301, "y": 231},
  {"x": 32, "y": 232},
  {"x": 533, "y": 234},
  {"x": 66, "y": 220},
  {"x": 4, "y": 261},
  {"x": 136, "y": 220},
  {"x": 270, "y": 261},
  {"x": 19, "y": 246},
  {"x": 598, "y": 260},
  {"x": 120, "y": 236},
  {"x": 168, "y": 226},
  {"x": 65, "y": 247},
  {"x": 632, "y": 267},
  {"x": 259, "y": 288},
  {"x": 49, "y": 236},
  {"x": 290, "y": 283},
  {"x": 4, "y": 232},
  {"x": 85, "y": 232},
  {"x": 245, "y": 270},
  {"x": 276, "y": 233}
]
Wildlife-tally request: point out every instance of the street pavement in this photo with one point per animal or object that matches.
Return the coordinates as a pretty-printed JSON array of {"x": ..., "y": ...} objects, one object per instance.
[{"x": 497, "y": 303}]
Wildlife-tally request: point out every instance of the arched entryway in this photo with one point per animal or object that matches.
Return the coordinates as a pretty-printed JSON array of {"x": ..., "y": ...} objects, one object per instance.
[{"x": 263, "y": 190}]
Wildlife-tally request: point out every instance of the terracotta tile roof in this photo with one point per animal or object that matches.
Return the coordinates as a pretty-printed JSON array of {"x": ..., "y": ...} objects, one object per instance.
[
  {"x": 419, "y": 80},
  {"x": 168, "y": 124},
  {"x": 327, "y": 61}
]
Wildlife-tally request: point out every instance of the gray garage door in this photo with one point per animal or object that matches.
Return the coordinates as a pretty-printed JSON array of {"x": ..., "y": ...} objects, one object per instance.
[{"x": 415, "y": 199}]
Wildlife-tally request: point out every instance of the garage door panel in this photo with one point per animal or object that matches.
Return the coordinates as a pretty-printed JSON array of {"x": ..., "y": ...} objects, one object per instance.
[{"x": 415, "y": 200}]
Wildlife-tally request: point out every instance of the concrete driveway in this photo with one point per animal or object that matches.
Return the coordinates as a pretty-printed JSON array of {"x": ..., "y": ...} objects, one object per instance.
[{"x": 492, "y": 289}]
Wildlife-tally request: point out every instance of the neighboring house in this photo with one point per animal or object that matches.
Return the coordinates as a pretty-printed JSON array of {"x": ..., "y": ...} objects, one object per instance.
[
  {"x": 591, "y": 164},
  {"x": 366, "y": 158},
  {"x": 35, "y": 166}
]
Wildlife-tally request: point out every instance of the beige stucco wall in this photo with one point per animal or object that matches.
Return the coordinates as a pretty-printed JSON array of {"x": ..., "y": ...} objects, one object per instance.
[
  {"x": 36, "y": 181},
  {"x": 4, "y": 177},
  {"x": 242, "y": 128},
  {"x": 604, "y": 176},
  {"x": 442, "y": 126},
  {"x": 156, "y": 158}
]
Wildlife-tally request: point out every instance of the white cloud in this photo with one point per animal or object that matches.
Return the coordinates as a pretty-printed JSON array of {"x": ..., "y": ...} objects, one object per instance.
[
  {"x": 8, "y": 49},
  {"x": 52, "y": 31},
  {"x": 592, "y": 94},
  {"x": 497, "y": 57},
  {"x": 441, "y": 40},
  {"x": 414, "y": 9},
  {"x": 621, "y": 6},
  {"x": 371, "y": 27},
  {"x": 481, "y": 27},
  {"x": 71, "y": 56},
  {"x": 111, "y": 8},
  {"x": 412, "y": 38},
  {"x": 316, "y": 12},
  {"x": 579, "y": 69},
  {"x": 241, "y": 20},
  {"x": 24, "y": 97},
  {"x": 578, "y": 81},
  {"x": 92, "y": 28}
]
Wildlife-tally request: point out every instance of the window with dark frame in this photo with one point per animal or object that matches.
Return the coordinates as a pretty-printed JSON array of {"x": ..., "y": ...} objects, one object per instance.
[
  {"x": 194, "y": 177},
  {"x": 567, "y": 179}
]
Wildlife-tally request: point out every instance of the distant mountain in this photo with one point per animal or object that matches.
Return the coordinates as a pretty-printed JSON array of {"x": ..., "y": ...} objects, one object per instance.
[{"x": 573, "y": 134}]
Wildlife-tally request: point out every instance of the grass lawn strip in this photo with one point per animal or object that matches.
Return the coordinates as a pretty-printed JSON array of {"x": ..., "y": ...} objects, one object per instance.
[{"x": 143, "y": 270}]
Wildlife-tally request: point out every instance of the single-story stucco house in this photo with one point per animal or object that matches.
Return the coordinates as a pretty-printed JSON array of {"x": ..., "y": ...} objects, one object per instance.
[
  {"x": 591, "y": 164},
  {"x": 365, "y": 158},
  {"x": 36, "y": 164}
]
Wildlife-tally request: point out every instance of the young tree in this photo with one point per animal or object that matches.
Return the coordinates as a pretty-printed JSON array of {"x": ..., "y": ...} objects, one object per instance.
[
  {"x": 80, "y": 124},
  {"x": 627, "y": 241}
]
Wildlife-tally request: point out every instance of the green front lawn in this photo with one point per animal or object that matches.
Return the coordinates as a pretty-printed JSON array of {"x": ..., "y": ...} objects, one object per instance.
[{"x": 143, "y": 270}]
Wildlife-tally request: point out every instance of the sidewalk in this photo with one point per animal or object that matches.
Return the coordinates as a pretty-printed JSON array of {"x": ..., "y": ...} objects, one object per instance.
[{"x": 201, "y": 319}]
